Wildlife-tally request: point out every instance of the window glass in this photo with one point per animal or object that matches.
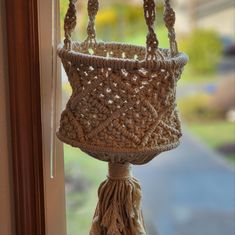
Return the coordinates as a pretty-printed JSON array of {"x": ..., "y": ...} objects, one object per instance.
[{"x": 189, "y": 190}]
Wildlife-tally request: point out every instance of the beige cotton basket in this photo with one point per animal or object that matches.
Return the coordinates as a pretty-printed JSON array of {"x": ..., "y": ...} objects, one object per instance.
[
  {"x": 122, "y": 110},
  {"x": 122, "y": 107}
]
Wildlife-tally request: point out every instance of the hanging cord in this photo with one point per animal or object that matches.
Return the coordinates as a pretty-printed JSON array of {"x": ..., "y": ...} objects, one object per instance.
[
  {"x": 169, "y": 18},
  {"x": 69, "y": 24},
  {"x": 152, "y": 41},
  {"x": 150, "y": 15},
  {"x": 92, "y": 8}
]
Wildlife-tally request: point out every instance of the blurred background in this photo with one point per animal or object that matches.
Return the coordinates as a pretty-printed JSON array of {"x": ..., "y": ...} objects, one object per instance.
[{"x": 190, "y": 190}]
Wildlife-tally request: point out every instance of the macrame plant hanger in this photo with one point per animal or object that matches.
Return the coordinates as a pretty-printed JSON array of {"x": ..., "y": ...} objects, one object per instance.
[{"x": 122, "y": 110}]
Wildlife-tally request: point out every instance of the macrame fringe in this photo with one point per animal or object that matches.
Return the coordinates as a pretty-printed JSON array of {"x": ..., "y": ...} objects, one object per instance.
[{"x": 118, "y": 211}]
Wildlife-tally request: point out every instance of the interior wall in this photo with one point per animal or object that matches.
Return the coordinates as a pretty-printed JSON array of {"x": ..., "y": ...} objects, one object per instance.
[{"x": 6, "y": 225}]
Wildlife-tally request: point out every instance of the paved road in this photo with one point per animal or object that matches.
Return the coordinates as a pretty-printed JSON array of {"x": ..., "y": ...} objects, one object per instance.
[
  {"x": 188, "y": 191},
  {"x": 227, "y": 65}
]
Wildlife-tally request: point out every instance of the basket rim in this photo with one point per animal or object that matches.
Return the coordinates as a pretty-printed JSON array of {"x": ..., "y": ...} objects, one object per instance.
[{"x": 75, "y": 57}]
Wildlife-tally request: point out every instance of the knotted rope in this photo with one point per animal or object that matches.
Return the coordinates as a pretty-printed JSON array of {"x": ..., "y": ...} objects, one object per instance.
[
  {"x": 92, "y": 8},
  {"x": 150, "y": 16},
  {"x": 70, "y": 21},
  {"x": 119, "y": 171},
  {"x": 118, "y": 211},
  {"x": 169, "y": 19}
]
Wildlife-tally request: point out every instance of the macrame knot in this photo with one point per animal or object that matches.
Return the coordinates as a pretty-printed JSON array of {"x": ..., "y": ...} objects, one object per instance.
[
  {"x": 169, "y": 17},
  {"x": 91, "y": 30},
  {"x": 69, "y": 23},
  {"x": 152, "y": 41},
  {"x": 67, "y": 42},
  {"x": 119, "y": 171},
  {"x": 149, "y": 12},
  {"x": 70, "y": 17},
  {"x": 93, "y": 7},
  {"x": 152, "y": 46}
]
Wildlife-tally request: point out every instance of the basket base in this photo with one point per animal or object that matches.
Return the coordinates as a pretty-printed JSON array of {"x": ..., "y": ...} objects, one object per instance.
[{"x": 115, "y": 155}]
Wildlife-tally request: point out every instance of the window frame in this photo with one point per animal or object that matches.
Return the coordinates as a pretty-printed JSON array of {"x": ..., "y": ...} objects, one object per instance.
[
  {"x": 38, "y": 199},
  {"x": 25, "y": 116}
]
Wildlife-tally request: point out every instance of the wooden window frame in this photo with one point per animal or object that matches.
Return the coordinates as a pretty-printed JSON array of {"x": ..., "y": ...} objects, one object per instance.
[{"x": 25, "y": 112}]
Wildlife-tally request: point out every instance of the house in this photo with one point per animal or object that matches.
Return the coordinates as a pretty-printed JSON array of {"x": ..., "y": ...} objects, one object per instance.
[{"x": 218, "y": 15}]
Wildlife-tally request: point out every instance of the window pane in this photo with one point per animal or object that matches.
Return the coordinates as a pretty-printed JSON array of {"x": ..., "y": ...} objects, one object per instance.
[{"x": 189, "y": 190}]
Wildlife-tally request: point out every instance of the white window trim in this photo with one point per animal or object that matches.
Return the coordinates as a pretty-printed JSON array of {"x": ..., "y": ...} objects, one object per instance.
[{"x": 49, "y": 36}]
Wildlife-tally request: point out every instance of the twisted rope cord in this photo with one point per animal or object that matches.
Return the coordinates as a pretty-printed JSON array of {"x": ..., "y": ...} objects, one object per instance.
[
  {"x": 169, "y": 18},
  {"x": 70, "y": 21},
  {"x": 150, "y": 16},
  {"x": 92, "y": 8},
  {"x": 152, "y": 41}
]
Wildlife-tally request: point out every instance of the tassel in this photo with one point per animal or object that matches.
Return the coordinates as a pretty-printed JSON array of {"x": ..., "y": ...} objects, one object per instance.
[{"x": 118, "y": 211}]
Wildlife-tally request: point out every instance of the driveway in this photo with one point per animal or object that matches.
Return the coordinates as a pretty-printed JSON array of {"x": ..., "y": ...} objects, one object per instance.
[{"x": 188, "y": 191}]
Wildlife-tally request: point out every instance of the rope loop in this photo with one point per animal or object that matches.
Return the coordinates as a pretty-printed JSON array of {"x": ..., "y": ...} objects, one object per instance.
[{"x": 149, "y": 6}]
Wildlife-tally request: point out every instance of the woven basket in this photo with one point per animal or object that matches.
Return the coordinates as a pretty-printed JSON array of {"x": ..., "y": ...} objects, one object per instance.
[
  {"x": 122, "y": 107},
  {"x": 122, "y": 110}
]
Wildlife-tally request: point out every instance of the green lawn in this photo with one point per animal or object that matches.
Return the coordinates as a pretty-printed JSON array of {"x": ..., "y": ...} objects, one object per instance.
[
  {"x": 189, "y": 77},
  {"x": 140, "y": 38},
  {"x": 81, "y": 205},
  {"x": 215, "y": 134}
]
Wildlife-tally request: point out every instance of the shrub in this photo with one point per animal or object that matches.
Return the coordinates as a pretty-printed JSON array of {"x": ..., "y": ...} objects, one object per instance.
[
  {"x": 197, "y": 108},
  {"x": 107, "y": 16},
  {"x": 204, "y": 49},
  {"x": 224, "y": 97}
]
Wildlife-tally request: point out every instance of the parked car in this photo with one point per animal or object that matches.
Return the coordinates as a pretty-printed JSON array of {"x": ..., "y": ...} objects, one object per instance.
[{"x": 229, "y": 46}]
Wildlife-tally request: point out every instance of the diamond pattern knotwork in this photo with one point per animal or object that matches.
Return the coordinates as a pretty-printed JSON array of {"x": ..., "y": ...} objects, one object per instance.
[{"x": 120, "y": 110}]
